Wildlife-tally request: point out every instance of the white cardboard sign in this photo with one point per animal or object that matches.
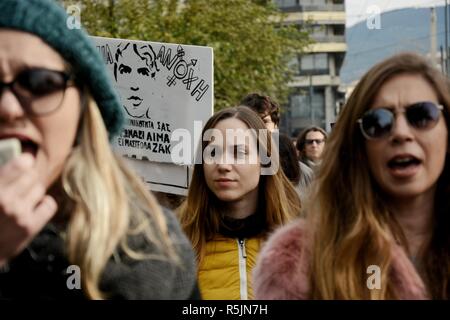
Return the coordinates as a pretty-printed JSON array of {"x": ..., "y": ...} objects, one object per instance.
[{"x": 163, "y": 87}]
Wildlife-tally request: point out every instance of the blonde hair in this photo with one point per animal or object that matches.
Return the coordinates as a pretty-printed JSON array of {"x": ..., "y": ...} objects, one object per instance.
[
  {"x": 351, "y": 222},
  {"x": 200, "y": 214},
  {"x": 108, "y": 203}
]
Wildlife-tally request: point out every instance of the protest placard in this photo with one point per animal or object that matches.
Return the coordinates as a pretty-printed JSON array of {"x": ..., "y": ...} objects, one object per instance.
[{"x": 163, "y": 87}]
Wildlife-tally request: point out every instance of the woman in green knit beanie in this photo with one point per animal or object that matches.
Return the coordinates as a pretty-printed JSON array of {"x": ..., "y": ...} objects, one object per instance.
[{"x": 75, "y": 222}]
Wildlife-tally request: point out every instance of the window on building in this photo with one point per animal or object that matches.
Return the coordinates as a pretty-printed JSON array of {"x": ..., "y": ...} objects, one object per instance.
[
  {"x": 319, "y": 30},
  {"x": 307, "y": 62},
  {"x": 312, "y": 2},
  {"x": 286, "y": 3},
  {"x": 339, "y": 30},
  {"x": 318, "y": 103},
  {"x": 300, "y": 104},
  {"x": 320, "y": 61},
  {"x": 316, "y": 63}
]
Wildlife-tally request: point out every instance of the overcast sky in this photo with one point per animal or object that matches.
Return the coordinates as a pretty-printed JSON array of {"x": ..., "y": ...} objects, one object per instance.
[{"x": 357, "y": 10}]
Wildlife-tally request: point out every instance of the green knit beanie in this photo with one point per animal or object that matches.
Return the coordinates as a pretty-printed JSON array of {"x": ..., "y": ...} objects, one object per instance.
[{"x": 48, "y": 20}]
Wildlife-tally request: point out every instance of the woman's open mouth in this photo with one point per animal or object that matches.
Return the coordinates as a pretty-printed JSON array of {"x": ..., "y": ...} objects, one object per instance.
[
  {"x": 404, "y": 166},
  {"x": 27, "y": 144}
]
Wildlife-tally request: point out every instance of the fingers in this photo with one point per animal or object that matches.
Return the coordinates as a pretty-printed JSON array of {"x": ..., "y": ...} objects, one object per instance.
[
  {"x": 42, "y": 214},
  {"x": 25, "y": 203},
  {"x": 18, "y": 230},
  {"x": 13, "y": 169},
  {"x": 24, "y": 207},
  {"x": 20, "y": 187}
]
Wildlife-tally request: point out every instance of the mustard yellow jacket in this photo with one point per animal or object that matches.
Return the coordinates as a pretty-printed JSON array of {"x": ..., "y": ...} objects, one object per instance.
[{"x": 226, "y": 270}]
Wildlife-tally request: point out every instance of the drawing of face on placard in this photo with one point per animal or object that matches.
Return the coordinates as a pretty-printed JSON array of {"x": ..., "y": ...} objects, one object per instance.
[{"x": 135, "y": 69}]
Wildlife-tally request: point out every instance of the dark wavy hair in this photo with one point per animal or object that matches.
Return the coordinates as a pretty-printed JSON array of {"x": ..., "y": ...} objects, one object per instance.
[
  {"x": 288, "y": 159},
  {"x": 263, "y": 105},
  {"x": 301, "y": 139}
]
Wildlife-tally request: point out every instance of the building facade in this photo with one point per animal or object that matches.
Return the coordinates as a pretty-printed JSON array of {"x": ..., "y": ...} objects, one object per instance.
[{"x": 315, "y": 99}]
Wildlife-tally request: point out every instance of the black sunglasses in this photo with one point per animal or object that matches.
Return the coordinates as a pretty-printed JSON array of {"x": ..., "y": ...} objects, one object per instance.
[
  {"x": 378, "y": 123},
  {"x": 317, "y": 141},
  {"x": 39, "y": 90}
]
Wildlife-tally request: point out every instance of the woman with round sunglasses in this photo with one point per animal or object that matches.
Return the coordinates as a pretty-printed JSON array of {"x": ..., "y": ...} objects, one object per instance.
[
  {"x": 75, "y": 222},
  {"x": 378, "y": 222}
]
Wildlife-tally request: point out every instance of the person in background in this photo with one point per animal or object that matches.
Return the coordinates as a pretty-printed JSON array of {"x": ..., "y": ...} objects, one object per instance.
[
  {"x": 233, "y": 203},
  {"x": 269, "y": 111},
  {"x": 75, "y": 222},
  {"x": 267, "y": 108},
  {"x": 378, "y": 223},
  {"x": 310, "y": 144},
  {"x": 291, "y": 166},
  {"x": 169, "y": 200}
]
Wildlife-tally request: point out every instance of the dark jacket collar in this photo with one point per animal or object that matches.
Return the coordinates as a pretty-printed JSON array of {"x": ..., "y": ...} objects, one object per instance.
[{"x": 249, "y": 227}]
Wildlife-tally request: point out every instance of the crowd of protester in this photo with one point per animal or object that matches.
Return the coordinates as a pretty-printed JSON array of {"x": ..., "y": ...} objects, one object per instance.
[{"x": 372, "y": 194}]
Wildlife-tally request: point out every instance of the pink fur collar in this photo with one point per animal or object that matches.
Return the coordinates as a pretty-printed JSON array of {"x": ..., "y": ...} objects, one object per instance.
[{"x": 283, "y": 263}]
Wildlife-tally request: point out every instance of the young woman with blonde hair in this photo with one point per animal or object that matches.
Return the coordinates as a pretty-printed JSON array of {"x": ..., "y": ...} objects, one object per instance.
[
  {"x": 231, "y": 205},
  {"x": 378, "y": 219},
  {"x": 75, "y": 222}
]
